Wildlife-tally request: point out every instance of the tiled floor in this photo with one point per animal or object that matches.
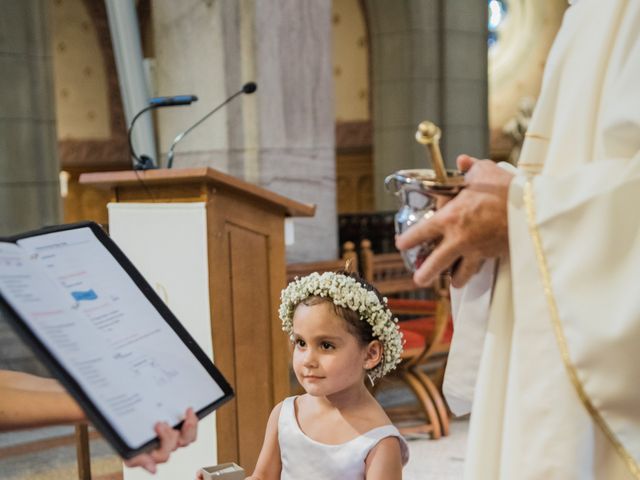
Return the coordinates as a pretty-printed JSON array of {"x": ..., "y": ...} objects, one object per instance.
[
  {"x": 49, "y": 454},
  {"x": 441, "y": 459}
]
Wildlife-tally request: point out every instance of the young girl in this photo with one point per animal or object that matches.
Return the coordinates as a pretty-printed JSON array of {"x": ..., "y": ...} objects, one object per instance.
[{"x": 342, "y": 332}]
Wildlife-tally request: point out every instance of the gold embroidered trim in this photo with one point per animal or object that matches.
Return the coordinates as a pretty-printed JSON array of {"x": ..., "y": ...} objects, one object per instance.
[
  {"x": 529, "y": 202},
  {"x": 536, "y": 136}
]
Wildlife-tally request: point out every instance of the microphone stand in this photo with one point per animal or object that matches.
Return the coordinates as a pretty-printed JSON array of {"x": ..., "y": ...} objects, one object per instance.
[
  {"x": 144, "y": 162},
  {"x": 247, "y": 88}
]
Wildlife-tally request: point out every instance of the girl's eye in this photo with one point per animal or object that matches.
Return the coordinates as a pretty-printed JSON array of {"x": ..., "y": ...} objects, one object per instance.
[
  {"x": 326, "y": 346},
  {"x": 299, "y": 343}
]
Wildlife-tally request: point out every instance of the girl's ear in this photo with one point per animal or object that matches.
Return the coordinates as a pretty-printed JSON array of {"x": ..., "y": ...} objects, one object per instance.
[{"x": 373, "y": 354}]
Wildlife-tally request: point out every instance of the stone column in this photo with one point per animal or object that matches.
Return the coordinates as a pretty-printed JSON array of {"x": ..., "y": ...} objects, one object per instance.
[
  {"x": 465, "y": 121},
  {"x": 429, "y": 61},
  {"x": 29, "y": 186},
  {"x": 296, "y": 116},
  {"x": 282, "y": 137}
]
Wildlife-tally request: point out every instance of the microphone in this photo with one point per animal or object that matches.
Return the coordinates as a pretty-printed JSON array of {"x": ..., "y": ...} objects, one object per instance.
[
  {"x": 247, "y": 88},
  {"x": 144, "y": 162},
  {"x": 173, "y": 101}
]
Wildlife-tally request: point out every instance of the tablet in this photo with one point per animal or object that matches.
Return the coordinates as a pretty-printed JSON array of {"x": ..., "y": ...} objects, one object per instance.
[{"x": 90, "y": 316}]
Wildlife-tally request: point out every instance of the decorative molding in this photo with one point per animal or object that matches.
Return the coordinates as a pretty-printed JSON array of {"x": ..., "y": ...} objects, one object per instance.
[
  {"x": 354, "y": 182},
  {"x": 94, "y": 155},
  {"x": 350, "y": 135}
]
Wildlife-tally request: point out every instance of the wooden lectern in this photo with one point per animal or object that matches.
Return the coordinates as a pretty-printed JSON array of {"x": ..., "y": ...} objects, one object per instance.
[{"x": 244, "y": 265}]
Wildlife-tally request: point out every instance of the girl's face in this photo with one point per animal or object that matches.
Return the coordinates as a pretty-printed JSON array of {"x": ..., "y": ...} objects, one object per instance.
[{"x": 327, "y": 358}]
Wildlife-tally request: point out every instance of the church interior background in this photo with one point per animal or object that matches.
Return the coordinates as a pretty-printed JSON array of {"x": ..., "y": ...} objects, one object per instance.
[{"x": 342, "y": 85}]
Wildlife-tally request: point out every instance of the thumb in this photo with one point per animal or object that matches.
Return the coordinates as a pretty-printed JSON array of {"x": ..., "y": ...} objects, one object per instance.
[{"x": 465, "y": 162}]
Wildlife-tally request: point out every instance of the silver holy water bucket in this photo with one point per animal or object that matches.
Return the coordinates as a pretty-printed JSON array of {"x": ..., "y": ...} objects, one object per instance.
[{"x": 421, "y": 192}]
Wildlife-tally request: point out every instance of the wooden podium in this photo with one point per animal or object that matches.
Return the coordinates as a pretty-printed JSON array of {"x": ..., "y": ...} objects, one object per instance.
[{"x": 242, "y": 233}]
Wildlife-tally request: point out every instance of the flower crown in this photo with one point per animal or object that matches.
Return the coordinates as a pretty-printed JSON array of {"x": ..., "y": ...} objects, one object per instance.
[{"x": 347, "y": 292}]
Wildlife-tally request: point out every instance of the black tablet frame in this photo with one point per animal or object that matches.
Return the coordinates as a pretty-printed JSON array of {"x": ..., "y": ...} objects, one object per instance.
[{"x": 73, "y": 387}]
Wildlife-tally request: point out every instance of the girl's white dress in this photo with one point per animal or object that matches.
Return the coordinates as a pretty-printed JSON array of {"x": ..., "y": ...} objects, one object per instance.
[{"x": 305, "y": 459}]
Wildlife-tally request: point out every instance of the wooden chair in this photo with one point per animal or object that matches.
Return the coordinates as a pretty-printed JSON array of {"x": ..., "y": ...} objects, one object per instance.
[
  {"x": 348, "y": 261},
  {"x": 386, "y": 271},
  {"x": 427, "y": 329},
  {"x": 427, "y": 338}
]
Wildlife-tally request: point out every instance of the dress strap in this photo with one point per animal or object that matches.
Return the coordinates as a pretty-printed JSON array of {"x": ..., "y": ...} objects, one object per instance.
[
  {"x": 380, "y": 433},
  {"x": 287, "y": 414}
]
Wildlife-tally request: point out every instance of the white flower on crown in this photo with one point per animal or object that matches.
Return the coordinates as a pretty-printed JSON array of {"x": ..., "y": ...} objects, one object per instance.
[{"x": 347, "y": 292}]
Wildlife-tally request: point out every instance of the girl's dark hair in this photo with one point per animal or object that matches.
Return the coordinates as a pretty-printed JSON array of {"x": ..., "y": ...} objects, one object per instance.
[{"x": 362, "y": 330}]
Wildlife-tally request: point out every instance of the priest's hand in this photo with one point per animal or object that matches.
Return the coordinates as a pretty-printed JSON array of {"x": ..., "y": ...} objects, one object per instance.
[
  {"x": 170, "y": 440},
  {"x": 468, "y": 229}
]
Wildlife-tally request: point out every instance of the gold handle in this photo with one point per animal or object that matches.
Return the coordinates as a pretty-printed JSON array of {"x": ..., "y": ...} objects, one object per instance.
[{"x": 428, "y": 134}]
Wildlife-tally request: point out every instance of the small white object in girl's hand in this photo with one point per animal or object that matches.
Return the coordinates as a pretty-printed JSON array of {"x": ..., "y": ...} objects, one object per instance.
[{"x": 225, "y": 471}]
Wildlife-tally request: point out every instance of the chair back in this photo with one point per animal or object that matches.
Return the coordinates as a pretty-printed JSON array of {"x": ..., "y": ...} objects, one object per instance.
[
  {"x": 386, "y": 271},
  {"x": 431, "y": 319},
  {"x": 348, "y": 261}
]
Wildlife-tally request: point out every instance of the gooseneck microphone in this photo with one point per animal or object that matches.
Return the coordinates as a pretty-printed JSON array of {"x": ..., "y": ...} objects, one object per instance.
[
  {"x": 247, "y": 88},
  {"x": 144, "y": 162}
]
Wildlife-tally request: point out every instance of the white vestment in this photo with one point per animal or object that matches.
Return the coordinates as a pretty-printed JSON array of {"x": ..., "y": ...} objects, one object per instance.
[{"x": 558, "y": 388}]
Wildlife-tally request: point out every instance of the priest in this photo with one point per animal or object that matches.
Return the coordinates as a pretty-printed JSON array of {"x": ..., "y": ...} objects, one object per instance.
[{"x": 557, "y": 394}]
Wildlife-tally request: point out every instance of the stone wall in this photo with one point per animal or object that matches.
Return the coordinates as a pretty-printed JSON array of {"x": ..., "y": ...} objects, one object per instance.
[
  {"x": 29, "y": 192},
  {"x": 429, "y": 62},
  {"x": 282, "y": 137}
]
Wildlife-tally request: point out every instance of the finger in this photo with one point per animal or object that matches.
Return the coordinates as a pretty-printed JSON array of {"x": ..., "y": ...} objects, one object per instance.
[
  {"x": 168, "y": 443},
  {"x": 465, "y": 269},
  {"x": 441, "y": 258},
  {"x": 189, "y": 430},
  {"x": 465, "y": 162},
  {"x": 479, "y": 172},
  {"x": 425, "y": 231},
  {"x": 199, "y": 475},
  {"x": 143, "y": 460},
  {"x": 486, "y": 175}
]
